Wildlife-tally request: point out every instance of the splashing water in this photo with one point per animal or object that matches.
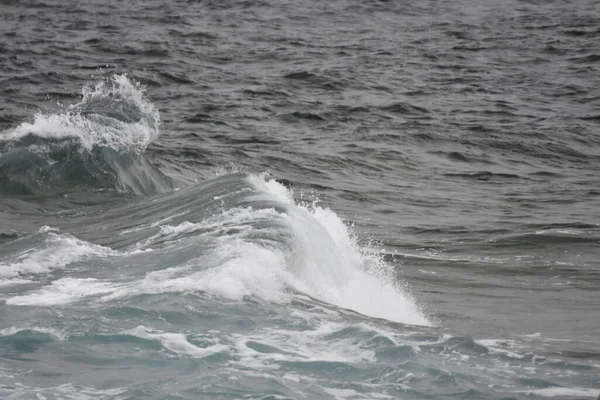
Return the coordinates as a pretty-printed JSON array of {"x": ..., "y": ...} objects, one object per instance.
[
  {"x": 97, "y": 143},
  {"x": 114, "y": 113},
  {"x": 330, "y": 265}
]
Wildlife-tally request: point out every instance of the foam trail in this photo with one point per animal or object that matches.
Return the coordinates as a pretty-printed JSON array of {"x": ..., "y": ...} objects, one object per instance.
[
  {"x": 13, "y": 330},
  {"x": 62, "y": 291},
  {"x": 563, "y": 392},
  {"x": 177, "y": 342}
]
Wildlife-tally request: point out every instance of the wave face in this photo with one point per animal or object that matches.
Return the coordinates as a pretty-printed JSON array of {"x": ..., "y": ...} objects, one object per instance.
[
  {"x": 233, "y": 236},
  {"x": 97, "y": 143}
]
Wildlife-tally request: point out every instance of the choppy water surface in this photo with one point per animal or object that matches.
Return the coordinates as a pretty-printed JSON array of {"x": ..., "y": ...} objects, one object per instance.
[{"x": 299, "y": 200}]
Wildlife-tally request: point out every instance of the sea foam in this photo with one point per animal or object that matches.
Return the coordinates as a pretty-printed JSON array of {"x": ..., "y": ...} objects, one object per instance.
[{"x": 114, "y": 113}]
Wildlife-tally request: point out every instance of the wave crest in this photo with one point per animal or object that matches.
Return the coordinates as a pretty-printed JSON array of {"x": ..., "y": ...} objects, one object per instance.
[
  {"x": 97, "y": 143},
  {"x": 113, "y": 113}
]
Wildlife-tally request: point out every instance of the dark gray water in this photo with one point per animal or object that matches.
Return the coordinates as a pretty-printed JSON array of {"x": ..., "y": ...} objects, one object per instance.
[{"x": 299, "y": 200}]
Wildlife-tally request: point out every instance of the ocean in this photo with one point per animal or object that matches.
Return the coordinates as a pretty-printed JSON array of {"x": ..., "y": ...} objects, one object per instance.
[{"x": 266, "y": 199}]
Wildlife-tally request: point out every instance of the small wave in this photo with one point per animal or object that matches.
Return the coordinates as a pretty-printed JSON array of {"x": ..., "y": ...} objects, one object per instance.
[
  {"x": 113, "y": 113},
  {"x": 404, "y": 109},
  {"x": 299, "y": 115},
  {"x": 547, "y": 237},
  {"x": 485, "y": 176},
  {"x": 97, "y": 143},
  {"x": 463, "y": 157},
  {"x": 308, "y": 78},
  {"x": 590, "y": 58}
]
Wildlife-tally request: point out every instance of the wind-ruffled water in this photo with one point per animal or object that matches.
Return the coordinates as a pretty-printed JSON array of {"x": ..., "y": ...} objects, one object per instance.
[{"x": 275, "y": 200}]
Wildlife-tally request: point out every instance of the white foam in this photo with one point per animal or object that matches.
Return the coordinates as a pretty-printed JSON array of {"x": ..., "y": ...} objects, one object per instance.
[
  {"x": 274, "y": 188},
  {"x": 314, "y": 345},
  {"x": 237, "y": 218},
  {"x": 497, "y": 346},
  {"x": 241, "y": 269},
  {"x": 65, "y": 391},
  {"x": 96, "y": 129},
  {"x": 185, "y": 226},
  {"x": 62, "y": 291},
  {"x": 177, "y": 342},
  {"x": 343, "y": 394},
  {"x": 563, "y": 392},
  {"x": 57, "y": 251},
  {"x": 41, "y": 329}
]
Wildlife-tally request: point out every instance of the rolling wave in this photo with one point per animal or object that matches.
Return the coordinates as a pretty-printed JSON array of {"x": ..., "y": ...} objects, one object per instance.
[{"x": 236, "y": 236}]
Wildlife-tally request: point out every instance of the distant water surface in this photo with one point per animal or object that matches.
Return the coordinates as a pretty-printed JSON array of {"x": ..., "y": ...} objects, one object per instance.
[{"x": 299, "y": 200}]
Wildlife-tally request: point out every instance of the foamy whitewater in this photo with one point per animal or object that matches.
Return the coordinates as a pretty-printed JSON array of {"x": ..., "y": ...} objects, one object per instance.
[
  {"x": 318, "y": 259},
  {"x": 112, "y": 113},
  {"x": 337, "y": 200}
]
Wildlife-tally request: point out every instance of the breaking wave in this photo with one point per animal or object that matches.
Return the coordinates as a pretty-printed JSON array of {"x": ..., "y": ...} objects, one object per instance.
[
  {"x": 97, "y": 143},
  {"x": 234, "y": 237}
]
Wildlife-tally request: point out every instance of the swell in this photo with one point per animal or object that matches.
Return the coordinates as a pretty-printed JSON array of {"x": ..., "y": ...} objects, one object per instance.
[{"x": 237, "y": 236}]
